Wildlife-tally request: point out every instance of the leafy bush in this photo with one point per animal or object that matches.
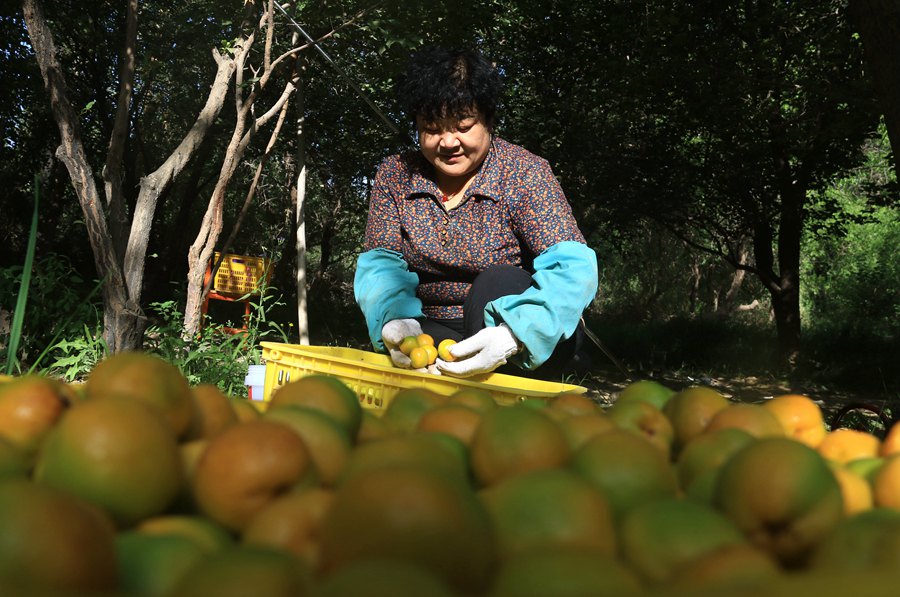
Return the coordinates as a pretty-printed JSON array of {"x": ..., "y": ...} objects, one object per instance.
[
  {"x": 851, "y": 274},
  {"x": 216, "y": 356},
  {"x": 56, "y": 307}
]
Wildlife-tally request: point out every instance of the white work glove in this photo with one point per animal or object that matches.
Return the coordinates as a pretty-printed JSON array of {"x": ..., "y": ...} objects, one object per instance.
[
  {"x": 481, "y": 353},
  {"x": 393, "y": 333}
]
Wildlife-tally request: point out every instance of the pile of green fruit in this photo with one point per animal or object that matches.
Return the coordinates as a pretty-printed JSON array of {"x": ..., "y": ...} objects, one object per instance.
[{"x": 137, "y": 484}]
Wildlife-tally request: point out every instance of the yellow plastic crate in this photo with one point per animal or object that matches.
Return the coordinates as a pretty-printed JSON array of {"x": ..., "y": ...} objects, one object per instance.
[
  {"x": 375, "y": 380},
  {"x": 240, "y": 274}
]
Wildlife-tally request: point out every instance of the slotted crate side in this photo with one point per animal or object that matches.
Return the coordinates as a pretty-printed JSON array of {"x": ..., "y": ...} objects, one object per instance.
[
  {"x": 375, "y": 380},
  {"x": 240, "y": 274}
]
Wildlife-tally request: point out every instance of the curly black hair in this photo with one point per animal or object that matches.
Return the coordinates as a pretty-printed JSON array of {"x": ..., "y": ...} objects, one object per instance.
[{"x": 441, "y": 82}]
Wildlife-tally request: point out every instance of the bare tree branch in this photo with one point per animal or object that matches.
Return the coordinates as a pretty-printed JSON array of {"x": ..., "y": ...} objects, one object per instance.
[
  {"x": 153, "y": 184},
  {"x": 113, "y": 173}
]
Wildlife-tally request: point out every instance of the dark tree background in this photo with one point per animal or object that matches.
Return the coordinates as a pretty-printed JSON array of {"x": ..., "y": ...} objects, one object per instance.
[{"x": 699, "y": 143}]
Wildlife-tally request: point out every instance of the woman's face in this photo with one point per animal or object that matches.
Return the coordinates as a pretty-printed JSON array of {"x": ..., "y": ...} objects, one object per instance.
[{"x": 455, "y": 146}]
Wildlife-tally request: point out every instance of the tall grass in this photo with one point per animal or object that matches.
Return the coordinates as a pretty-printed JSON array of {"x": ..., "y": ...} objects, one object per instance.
[{"x": 15, "y": 333}]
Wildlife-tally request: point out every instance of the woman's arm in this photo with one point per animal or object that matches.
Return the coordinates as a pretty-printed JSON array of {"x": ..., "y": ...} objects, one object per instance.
[
  {"x": 385, "y": 289},
  {"x": 565, "y": 283}
]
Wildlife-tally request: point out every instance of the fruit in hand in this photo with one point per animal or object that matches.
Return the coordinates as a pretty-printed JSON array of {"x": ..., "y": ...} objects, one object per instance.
[
  {"x": 420, "y": 350},
  {"x": 418, "y": 357},
  {"x": 443, "y": 350},
  {"x": 408, "y": 344}
]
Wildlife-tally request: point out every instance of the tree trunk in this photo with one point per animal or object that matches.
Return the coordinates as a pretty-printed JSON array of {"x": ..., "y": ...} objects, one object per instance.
[
  {"x": 123, "y": 321},
  {"x": 122, "y": 274},
  {"x": 879, "y": 26},
  {"x": 728, "y": 303},
  {"x": 784, "y": 286},
  {"x": 694, "y": 290},
  {"x": 298, "y": 193},
  {"x": 114, "y": 169}
]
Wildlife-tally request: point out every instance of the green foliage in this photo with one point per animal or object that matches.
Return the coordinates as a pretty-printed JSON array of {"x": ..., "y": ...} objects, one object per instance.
[
  {"x": 15, "y": 333},
  {"x": 851, "y": 273},
  {"x": 694, "y": 115},
  {"x": 77, "y": 356},
  {"x": 56, "y": 308},
  {"x": 674, "y": 280},
  {"x": 215, "y": 356}
]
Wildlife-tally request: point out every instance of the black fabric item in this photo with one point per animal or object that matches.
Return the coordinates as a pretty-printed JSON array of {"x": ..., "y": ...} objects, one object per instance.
[{"x": 503, "y": 280}]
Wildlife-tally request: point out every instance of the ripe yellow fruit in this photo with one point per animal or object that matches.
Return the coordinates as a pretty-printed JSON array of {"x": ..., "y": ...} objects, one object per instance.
[
  {"x": 891, "y": 443},
  {"x": 408, "y": 344},
  {"x": 800, "y": 416},
  {"x": 444, "y": 350},
  {"x": 846, "y": 445},
  {"x": 418, "y": 357},
  {"x": 855, "y": 489},
  {"x": 886, "y": 483},
  {"x": 425, "y": 340},
  {"x": 431, "y": 351}
]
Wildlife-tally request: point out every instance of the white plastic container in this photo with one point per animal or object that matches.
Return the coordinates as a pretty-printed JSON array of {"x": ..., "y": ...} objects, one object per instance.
[{"x": 255, "y": 382}]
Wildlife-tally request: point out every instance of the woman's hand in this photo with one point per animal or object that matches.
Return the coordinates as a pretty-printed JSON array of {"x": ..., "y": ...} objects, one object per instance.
[
  {"x": 393, "y": 334},
  {"x": 481, "y": 353}
]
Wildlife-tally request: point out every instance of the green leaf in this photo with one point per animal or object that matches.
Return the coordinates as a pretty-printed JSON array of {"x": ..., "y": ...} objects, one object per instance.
[{"x": 18, "y": 321}]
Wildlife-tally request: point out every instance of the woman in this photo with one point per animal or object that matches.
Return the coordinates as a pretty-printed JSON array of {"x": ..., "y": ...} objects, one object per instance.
[{"x": 471, "y": 237}]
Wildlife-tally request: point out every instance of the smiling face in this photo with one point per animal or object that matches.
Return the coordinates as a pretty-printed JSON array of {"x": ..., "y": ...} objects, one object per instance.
[{"x": 456, "y": 146}]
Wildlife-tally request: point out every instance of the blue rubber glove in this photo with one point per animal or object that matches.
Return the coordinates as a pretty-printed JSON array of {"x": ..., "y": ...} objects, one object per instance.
[{"x": 481, "y": 353}]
